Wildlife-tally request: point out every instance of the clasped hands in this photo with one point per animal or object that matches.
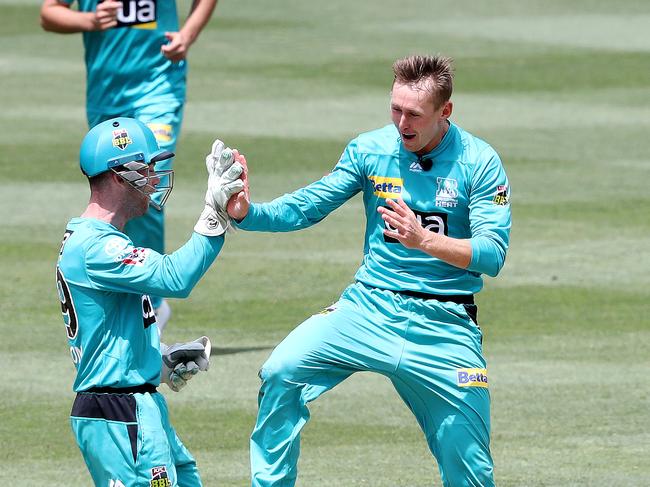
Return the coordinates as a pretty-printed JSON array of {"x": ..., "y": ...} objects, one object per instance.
[
  {"x": 225, "y": 178},
  {"x": 182, "y": 361}
]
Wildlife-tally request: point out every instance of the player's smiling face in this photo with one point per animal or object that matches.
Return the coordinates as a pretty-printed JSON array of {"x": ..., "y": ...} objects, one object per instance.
[{"x": 421, "y": 125}]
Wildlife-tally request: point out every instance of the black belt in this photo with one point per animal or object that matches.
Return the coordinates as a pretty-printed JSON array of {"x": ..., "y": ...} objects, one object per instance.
[
  {"x": 150, "y": 388},
  {"x": 454, "y": 298}
]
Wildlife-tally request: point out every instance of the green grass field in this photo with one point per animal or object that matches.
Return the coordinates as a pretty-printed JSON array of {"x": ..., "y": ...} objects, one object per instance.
[{"x": 558, "y": 88}]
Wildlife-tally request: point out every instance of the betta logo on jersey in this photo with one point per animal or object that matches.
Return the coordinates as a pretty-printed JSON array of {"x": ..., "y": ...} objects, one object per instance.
[
  {"x": 501, "y": 198},
  {"x": 472, "y": 378},
  {"x": 121, "y": 139},
  {"x": 139, "y": 14},
  {"x": 162, "y": 131},
  {"x": 387, "y": 187},
  {"x": 159, "y": 477}
]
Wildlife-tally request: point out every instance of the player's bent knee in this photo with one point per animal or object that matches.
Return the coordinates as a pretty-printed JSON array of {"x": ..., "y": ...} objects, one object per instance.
[{"x": 278, "y": 372}]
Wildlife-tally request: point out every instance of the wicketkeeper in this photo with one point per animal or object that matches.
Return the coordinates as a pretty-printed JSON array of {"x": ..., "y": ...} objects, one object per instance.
[{"x": 119, "y": 419}]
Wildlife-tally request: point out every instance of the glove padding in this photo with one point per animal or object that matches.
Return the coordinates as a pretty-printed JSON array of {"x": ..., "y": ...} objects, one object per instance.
[
  {"x": 212, "y": 223},
  {"x": 223, "y": 176},
  {"x": 182, "y": 361},
  {"x": 223, "y": 182}
]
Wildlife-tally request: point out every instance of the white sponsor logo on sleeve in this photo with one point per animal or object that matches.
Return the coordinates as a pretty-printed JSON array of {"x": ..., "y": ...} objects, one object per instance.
[{"x": 116, "y": 246}]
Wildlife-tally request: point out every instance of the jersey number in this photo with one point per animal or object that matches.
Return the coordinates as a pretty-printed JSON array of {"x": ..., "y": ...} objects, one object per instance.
[
  {"x": 148, "y": 315},
  {"x": 67, "y": 306}
]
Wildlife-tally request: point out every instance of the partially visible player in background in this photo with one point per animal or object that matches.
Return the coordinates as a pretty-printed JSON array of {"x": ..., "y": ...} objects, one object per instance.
[
  {"x": 136, "y": 67},
  {"x": 436, "y": 205},
  {"x": 119, "y": 419}
]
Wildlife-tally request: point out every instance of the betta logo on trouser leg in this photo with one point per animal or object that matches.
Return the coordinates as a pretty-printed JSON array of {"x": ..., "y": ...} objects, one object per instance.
[{"x": 472, "y": 378}]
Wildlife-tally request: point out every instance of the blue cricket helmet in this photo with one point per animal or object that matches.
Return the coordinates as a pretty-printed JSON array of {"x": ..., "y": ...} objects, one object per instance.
[
  {"x": 117, "y": 141},
  {"x": 126, "y": 146}
]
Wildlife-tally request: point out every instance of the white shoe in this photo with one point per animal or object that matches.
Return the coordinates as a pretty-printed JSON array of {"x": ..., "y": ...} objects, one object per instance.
[{"x": 163, "y": 313}]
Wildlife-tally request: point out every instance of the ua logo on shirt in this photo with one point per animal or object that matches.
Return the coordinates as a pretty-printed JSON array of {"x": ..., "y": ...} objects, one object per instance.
[
  {"x": 136, "y": 13},
  {"x": 432, "y": 221}
]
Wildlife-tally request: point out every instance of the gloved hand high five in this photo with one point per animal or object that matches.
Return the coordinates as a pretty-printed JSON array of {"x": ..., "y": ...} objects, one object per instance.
[
  {"x": 223, "y": 176},
  {"x": 223, "y": 181},
  {"x": 182, "y": 361}
]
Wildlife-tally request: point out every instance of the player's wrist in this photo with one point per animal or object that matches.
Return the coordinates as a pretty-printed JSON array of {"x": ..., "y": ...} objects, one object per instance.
[
  {"x": 430, "y": 243},
  {"x": 241, "y": 216},
  {"x": 187, "y": 37},
  {"x": 90, "y": 23}
]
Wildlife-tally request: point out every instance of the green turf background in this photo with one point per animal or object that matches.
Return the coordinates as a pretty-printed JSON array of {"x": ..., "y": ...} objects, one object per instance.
[{"x": 562, "y": 91}]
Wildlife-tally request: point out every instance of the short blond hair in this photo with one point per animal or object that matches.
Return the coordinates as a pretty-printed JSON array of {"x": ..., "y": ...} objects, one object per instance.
[{"x": 434, "y": 73}]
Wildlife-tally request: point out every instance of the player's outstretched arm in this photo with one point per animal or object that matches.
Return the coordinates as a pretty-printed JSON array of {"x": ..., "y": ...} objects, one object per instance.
[
  {"x": 59, "y": 17},
  {"x": 303, "y": 207},
  {"x": 182, "y": 361},
  {"x": 114, "y": 264}
]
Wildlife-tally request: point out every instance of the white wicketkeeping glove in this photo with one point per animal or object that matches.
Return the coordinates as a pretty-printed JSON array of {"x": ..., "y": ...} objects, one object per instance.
[
  {"x": 182, "y": 361},
  {"x": 223, "y": 182}
]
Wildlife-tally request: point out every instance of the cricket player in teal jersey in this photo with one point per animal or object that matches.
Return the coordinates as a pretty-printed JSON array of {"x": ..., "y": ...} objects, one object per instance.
[
  {"x": 104, "y": 281},
  {"x": 436, "y": 201},
  {"x": 136, "y": 67}
]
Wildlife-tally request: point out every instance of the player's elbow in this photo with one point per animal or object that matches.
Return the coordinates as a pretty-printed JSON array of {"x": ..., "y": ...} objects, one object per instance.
[
  {"x": 180, "y": 293},
  {"x": 184, "y": 288},
  {"x": 45, "y": 17},
  {"x": 45, "y": 24},
  {"x": 494, "y": 269},
  {"x": 488, "y": 256},
  {"x": 48, "y": 25},
  {"x": 57, "y": 17},
  {"x": 185, "y": 293}
]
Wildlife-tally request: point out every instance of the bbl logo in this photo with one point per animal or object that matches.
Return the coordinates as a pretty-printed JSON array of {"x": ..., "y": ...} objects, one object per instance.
[
  {"x": 159, "y": 477},
  {"x": 501, "y": 197},
  {"x": 121, "y": 139}
]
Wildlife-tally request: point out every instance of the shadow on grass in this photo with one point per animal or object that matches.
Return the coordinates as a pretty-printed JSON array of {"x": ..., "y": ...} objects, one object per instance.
[{"x": 234, "y": 350}]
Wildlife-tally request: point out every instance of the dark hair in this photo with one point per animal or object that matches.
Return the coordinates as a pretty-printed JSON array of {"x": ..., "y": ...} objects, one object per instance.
[{"x": 434, "y": 73}]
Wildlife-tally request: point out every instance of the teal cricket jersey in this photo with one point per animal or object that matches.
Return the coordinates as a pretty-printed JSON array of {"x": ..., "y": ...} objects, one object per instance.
[
  {"x": 464, "y": 195},
  {"x": 124, "y": 66},
  {"x": 104, "y": 284}
]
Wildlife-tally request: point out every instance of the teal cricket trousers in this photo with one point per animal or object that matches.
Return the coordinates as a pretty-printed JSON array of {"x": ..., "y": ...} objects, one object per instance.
[
  {"x": 431, "y": 352},
  {"x": 127, "y": 441}
]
